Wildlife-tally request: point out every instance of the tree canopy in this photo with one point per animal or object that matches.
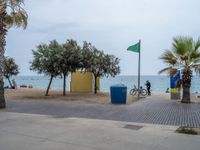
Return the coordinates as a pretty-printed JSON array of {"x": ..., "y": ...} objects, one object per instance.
[
  {"x": 10, "y": 69},
  {"x": 61, "y": 59},
  {"x": 69, "y": 60},
  {"x": 99, "y": 63},
  {"x": 45, "y": 60}
]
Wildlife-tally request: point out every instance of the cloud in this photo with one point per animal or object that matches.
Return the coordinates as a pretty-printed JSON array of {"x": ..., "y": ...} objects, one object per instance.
[{"x": 111, "y": 25}]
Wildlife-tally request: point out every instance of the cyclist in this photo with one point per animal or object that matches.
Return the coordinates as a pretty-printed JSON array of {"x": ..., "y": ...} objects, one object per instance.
[{"x": 148, "y": 85}]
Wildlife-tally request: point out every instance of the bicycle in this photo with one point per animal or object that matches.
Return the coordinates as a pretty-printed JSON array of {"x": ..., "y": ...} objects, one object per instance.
[{"x": 141, "y": 91}]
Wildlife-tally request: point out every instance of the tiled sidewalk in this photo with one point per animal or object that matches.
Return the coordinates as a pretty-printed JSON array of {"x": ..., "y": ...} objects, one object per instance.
[{"x": 154, "y": 110}]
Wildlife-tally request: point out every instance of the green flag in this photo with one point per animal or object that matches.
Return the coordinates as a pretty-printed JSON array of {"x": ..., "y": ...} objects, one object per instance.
[{"x": 134, "y": 48}]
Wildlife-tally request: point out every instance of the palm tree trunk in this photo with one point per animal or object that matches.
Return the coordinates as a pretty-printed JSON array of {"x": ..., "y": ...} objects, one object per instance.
[
  {"x": 64, "y": 84},
  {"x": 186, "y": 84},
  {"x": 186, "y": 94},
  {"x": 47, "y": 91},
  {"x": 2, "y": 50},
  {"x": 11, "y": 86}
]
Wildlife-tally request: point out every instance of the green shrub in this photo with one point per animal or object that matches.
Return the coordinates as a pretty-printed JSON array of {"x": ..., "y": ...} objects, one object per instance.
[{"x": 186, "y": 130}]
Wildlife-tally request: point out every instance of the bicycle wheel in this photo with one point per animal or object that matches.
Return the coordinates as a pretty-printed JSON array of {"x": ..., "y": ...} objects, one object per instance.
[
  {"x": 143, "y": 92},
  {"x": 133, "y": 92}
]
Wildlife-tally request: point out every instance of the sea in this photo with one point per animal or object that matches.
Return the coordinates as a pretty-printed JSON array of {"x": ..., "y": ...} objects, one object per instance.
[{"x": 159, "y": 83}]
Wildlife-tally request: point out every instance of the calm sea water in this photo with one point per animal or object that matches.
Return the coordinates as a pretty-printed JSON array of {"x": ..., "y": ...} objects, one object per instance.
[{"x": 159, "y": 83}]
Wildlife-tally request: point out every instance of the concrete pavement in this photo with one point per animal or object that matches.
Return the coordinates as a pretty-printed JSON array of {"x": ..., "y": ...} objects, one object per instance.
[{"x": 20, "y": 131}]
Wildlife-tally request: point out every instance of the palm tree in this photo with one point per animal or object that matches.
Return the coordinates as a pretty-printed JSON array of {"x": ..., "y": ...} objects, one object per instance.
[
  {"x": 11, "y": 15},
  {"x": 184, "y": 55}
]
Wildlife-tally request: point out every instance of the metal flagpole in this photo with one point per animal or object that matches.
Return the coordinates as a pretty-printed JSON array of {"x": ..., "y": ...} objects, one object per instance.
[{"x": 139, "y": 71}]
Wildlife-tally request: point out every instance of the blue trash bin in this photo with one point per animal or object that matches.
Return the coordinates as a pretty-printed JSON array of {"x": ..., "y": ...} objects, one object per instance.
[{"x": 118, "y": 94}]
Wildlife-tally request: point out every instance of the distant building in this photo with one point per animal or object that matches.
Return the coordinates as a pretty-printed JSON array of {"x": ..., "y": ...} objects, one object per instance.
[{"x": 83, "y": 82}]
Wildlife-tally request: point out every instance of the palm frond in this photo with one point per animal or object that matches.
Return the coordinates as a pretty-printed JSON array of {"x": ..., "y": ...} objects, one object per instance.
[
  {"x": 195, "y": 57},
  {"x": 165, "y": 70},
  {"x": 169, "y": 58},
  {"x": 169, "y": 71},
  {"x": 16, "y": 16},
  {"x": 197, "y": 45},
  {"x": 178, "y": 46},
  {"x": 185, "y": 54}
]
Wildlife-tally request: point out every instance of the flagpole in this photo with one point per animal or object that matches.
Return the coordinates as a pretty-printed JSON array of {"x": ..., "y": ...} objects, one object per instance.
[{"x": 139, "y": 71}]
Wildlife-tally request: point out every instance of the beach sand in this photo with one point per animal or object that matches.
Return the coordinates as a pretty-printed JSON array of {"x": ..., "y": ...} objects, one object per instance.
[{"x": 56, "y": 95}]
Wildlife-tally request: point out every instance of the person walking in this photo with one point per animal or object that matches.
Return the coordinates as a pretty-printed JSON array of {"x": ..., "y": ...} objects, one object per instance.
[{"x": 148, "y": 85}]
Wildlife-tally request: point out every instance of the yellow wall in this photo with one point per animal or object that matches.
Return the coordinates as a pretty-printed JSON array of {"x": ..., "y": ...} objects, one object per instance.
[
  {"x": 175, "y": 90},
  {"x": 82, "y": 82}
]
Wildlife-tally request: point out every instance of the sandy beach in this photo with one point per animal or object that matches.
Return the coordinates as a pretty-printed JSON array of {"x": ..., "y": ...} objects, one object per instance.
[{"x": 56, "y": 95}]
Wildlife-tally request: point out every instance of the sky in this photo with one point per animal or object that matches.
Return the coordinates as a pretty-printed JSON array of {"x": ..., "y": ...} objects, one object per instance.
[{"x": 110, "y": 25}]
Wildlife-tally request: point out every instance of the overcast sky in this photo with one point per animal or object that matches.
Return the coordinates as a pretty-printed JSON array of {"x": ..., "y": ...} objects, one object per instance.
[{"x": 111, "y": 25}]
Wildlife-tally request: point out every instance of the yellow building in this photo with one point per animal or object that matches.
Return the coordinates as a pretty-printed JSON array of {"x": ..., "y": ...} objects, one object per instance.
[{"x": 83, "y": 82}]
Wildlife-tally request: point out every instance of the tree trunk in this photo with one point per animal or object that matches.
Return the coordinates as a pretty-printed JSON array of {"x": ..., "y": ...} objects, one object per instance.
[
  {"x": 186, "y": 84},
  {"x": 95, "y": 85},
  {"x": 47, "y": 91},
  {"x": 11, "y": 86},
  {"x": 2, "y": 50},
  {"x": 186, "y": 94},
  {"x": 2, "y": 98},
  {"x": 64, "y": 85}
]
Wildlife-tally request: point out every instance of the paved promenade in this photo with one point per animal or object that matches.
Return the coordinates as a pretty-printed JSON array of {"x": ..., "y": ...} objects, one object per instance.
[
  {"x": 20, "y": 131},
  {"x": 153, "y": 110}
]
